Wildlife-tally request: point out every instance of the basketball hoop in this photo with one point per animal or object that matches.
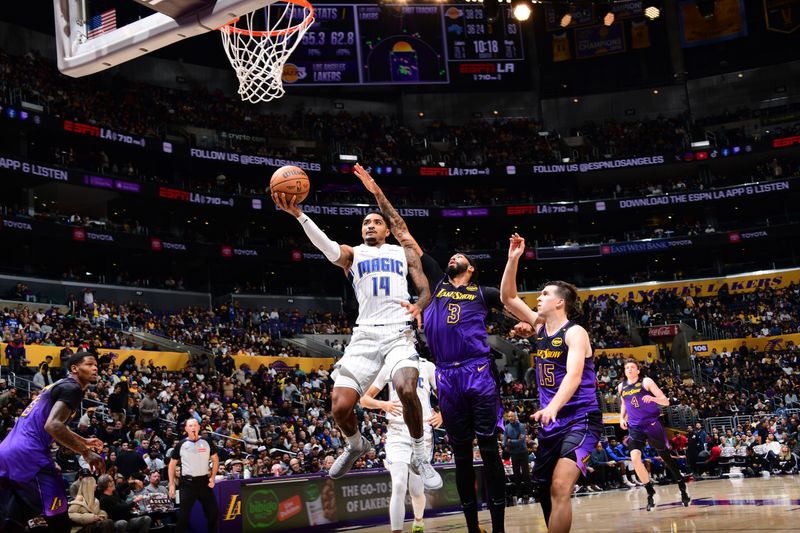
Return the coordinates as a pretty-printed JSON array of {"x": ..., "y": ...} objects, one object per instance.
[{"x": 258, "y": 56}]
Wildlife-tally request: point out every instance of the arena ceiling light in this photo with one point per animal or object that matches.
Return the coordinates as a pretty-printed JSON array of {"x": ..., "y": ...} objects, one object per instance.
[
  {"x": 563, "y": 14},
  {"x": 651, "y": 9},
  {"x": 522, "y": 10},
  {"x": 608, "y": 19}
]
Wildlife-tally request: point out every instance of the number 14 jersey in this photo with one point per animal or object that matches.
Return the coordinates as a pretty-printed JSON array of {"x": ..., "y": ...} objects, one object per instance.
[{"x": 378, "y": 276}]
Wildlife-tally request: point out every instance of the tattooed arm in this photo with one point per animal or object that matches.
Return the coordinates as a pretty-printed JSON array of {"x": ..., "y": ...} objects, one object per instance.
[{"x": 399, "y": 227}]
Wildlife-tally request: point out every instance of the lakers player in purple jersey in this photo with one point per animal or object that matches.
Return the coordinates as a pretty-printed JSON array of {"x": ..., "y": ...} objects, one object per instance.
[
  {"x": 639, "y": 414},
  {"x": 569, "y": 414},
  {"x": 29, "y": 480},
  {"x": 466, "y": 377}
]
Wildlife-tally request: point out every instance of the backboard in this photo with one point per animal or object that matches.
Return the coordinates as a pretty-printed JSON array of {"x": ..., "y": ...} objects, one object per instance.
[{"x": 91, "y": 36}]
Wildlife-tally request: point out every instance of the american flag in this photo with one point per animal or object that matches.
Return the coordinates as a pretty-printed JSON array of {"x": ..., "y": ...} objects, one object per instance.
[{"x": 102, "y": 23}]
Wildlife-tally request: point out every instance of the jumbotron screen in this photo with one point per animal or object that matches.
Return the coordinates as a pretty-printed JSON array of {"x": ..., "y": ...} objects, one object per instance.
[{"x": 409, "y": 44}]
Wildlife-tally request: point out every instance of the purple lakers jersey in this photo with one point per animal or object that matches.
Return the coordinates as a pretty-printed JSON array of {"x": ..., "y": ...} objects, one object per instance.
[
  {"x": 639, "y": 413},
  {"x": 455, "y": 322},
  {"x": 551, "y": 367},
  {"x": 26, "y": 449}
]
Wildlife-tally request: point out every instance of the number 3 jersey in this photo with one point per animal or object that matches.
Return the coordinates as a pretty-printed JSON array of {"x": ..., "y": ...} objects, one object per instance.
[
  {"x": 455, "y": 321},
  {"x": 551, "y": 368},
  {"x": 378, "y": 276}
]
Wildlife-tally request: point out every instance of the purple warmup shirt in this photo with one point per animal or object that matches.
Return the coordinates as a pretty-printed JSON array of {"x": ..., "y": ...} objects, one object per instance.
[
  {"x": 26, "y": 450},
  {"x": 551, "y": 367},
  {"x": 640, "y": 414}
]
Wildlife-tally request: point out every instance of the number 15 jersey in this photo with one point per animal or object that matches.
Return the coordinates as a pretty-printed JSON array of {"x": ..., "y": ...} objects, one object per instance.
[{"x": 378, "y": 276}]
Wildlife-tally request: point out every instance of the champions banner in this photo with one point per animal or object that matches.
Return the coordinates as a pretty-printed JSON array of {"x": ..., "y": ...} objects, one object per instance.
[
  {"x": 740, "y": 283},
  {"x": 760, "y": 344},
  {"x": 599, "y": 41},
  {"x": 727, "y": 23}
]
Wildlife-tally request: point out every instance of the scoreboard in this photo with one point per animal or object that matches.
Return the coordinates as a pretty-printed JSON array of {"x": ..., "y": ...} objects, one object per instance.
[{"x": 408, "y": 44}]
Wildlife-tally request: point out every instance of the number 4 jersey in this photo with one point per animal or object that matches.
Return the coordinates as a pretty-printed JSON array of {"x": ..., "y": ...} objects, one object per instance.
[{"x": 378, "y": 276}]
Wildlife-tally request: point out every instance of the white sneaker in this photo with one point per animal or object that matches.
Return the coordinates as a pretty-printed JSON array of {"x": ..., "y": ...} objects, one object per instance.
[
  {"x": 422, "y": 467},
  {"x": 519, "y": 501},
  {"x": 345, "y": 462},
  {"x": 627, "y": 482}
]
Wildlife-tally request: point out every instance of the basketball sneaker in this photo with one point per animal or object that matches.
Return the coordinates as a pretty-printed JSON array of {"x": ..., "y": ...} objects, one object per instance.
[
  {"x": 345, "y": 462},
  {"x": 685, "y": 499},
  {"x": 422, "y": 467},
  {"x": 417, "y": 528}
]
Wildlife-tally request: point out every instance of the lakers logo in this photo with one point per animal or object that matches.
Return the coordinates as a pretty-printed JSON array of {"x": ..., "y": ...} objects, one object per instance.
[
  {"x": 293, "y": 73},
  {"x": 56, "y": 505},
  {"x": 472, "y": 288},
  {"x": 558, "y": 341}
]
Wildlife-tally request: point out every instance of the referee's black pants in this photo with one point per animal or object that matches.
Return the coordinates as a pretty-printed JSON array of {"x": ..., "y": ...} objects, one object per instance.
[{"x": 197, "y": 489}]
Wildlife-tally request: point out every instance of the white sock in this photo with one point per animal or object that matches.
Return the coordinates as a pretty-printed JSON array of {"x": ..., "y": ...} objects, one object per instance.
[{"x": 355, "y": 440}]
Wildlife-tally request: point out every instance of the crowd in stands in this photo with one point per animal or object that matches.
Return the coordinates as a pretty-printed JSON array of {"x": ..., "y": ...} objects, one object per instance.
[
  {"x": 136, "y": 108},
  {"x": 272, "y": 423}
]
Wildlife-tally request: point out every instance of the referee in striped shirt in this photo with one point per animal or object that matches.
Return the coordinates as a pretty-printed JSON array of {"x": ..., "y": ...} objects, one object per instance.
[{"x": 194, "y": 455}]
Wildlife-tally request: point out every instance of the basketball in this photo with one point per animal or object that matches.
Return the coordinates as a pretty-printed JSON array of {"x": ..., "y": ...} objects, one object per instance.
[{"x": 290, "y": 180}]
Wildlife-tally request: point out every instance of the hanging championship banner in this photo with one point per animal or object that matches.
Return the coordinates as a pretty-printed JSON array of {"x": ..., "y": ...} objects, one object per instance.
[
  {"x": 561, "y": 50},
  {"x": 727, "y": 23},
  {"x": 640, "y": 35},
  {"x": 599, "y": 41},
  {"x": 626, "y": 10},
  {"x": 782, "y": 16}
]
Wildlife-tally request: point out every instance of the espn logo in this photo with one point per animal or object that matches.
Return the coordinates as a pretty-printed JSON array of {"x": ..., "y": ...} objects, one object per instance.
[{"x": 434, "y": 171}]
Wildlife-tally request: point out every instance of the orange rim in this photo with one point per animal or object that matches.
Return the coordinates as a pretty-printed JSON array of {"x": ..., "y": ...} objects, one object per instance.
[{"x": 230, "y": 28}]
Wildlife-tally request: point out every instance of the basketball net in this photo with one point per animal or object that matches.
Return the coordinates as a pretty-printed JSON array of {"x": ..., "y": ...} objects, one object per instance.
[{"x": 258, "y": 56}]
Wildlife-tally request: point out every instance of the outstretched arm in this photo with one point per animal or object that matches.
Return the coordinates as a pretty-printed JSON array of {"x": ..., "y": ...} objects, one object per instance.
[
  {"x": 399, "y": 227},
  {"x": 508, "y": 285},
  {"x": 338, "y": 254}
]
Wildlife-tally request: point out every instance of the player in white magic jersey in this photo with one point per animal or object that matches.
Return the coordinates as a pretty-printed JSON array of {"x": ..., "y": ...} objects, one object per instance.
[
  {"x": 383, "y": 334},
  {"x": 399, "y": 444}
]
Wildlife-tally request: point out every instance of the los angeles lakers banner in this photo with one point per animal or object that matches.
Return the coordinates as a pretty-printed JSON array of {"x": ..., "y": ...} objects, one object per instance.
[
  {"x": 640, "y": 35},
  {"x": 782, "y": 16},
  {"x": 740, "y": 283},
  {"x": 727, "y": 23},
  {"x": 759, "y": 344},
  {"x": 561, "y": 50}
]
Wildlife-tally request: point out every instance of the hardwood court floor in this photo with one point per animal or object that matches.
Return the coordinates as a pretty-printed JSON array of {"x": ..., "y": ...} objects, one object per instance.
[{"x": 727, "y": 505}]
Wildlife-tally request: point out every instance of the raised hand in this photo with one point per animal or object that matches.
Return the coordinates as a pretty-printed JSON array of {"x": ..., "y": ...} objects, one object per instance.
[
  {"x": 287, "y": 203},
  {"x": 516, "y": 246},
  {"x": 366, "y": 179}
]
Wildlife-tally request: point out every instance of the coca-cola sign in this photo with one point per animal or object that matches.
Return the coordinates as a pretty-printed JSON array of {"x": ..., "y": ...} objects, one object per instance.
[{"x": 664, "y": 331}]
